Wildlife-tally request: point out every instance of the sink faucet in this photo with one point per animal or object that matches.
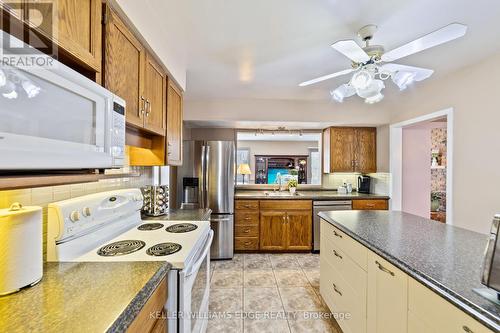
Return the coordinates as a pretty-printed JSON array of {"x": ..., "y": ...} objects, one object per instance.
[{"x": 279, "y": 181}]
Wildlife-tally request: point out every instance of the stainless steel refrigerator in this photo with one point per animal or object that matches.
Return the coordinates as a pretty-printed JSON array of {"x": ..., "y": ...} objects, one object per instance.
[{"x": 206, "y": 180}]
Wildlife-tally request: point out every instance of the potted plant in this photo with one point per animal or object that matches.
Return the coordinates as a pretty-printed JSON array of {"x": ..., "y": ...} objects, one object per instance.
[
  {"x": 435, "y": 201},
  {"x": 292, "y": 185}
]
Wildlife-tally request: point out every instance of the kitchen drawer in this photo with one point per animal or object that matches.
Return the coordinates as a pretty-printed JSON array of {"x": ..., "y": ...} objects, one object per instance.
[
  {"x": 373, "y": 204},
  {"x": 246, "y": 230},
  {"x": 357, "y": 252},
  {"x": 351, "y": 272},
  {"x": 438, "y": 314},
  {"x": 342, "y": 298},
  {"x": 247, "y": 205},
  {"x": 246, "y": 217},
  {"x": 286, "y": 204},
  {"x": 246, "y": 243}
]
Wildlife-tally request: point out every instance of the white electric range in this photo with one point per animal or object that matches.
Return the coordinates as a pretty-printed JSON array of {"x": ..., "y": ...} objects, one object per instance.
[{"x": 107, "y": 226}]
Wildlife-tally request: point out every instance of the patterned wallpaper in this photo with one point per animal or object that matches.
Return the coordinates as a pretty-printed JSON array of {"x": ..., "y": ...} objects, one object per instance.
[{"x": 438, "y": 176}]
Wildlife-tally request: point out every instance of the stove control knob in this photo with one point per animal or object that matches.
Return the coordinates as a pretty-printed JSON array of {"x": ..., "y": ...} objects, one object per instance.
[
  {"x": 74, "y": 216},
  {"x": 87, "y": 211}
]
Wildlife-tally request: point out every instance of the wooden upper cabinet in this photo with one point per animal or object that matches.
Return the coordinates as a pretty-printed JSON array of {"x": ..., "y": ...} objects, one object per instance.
[
  {"x": 349, "y": 149},
  {"x": 174, "y": 125},
  {"x": 272, "y": 230},
  {"x": 342, "y": 149},
  {"x": 299, "y": 233},
  {"x": 78, "y": 24},
  {"x": 365, "y": 154},
  {"x": 124, "y": 67},
  {"x": 155, "y": 92}
]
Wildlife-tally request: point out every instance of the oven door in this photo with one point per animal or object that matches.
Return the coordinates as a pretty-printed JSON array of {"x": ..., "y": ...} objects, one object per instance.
[
  {"x": 52, "y": 119},
  {"x": 194, "y": 292}
]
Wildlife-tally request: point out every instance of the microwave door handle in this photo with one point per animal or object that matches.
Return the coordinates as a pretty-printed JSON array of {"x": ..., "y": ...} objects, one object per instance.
[{"x": 197, "y": 264}]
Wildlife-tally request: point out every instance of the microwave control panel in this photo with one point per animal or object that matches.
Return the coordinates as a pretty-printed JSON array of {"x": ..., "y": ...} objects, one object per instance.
[{"x": 118, "y": 134}]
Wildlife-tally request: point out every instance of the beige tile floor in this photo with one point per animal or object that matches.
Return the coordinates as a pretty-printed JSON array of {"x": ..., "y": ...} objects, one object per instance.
[{"x": 267, "y": 293}]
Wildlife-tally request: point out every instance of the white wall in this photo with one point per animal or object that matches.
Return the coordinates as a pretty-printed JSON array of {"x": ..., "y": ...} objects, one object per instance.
[
  {"x": 473, "y": 94},
  {"x": 416, "y": 171},
  {"x": 328, "y": 113}
]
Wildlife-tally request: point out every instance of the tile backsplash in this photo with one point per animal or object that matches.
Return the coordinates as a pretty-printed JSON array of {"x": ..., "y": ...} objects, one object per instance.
[
  {"x": 42, "y": 196},
  {"x": 380, "y": 183}
]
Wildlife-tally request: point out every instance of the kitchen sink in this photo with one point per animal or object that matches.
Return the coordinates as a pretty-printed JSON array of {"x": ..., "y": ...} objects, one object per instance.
[{"x": 281, "y": 194}]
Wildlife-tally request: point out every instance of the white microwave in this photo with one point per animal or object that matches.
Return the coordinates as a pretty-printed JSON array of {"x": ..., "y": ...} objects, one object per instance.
[{"x": 54, "y": 118}]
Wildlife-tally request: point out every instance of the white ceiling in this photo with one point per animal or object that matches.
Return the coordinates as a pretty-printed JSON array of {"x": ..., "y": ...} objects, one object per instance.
[{"x": 262, "y": 49}]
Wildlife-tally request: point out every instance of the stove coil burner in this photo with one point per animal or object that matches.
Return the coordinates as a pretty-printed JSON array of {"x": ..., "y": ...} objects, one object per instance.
[
  {"x": 121, "y": 248},
  {"x": 163, "y": 249},
  {"x": 150, "y": 226},
  {"x": 182, "y": 227}
]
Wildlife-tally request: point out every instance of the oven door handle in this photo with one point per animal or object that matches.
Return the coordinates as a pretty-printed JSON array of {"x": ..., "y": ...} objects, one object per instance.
[{"x": 197, "y": 265}]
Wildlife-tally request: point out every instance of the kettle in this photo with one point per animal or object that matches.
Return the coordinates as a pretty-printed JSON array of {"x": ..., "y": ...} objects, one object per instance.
[{"x": 21, "y": 256}]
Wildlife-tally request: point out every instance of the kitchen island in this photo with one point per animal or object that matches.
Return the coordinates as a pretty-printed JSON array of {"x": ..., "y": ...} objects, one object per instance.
[
  {"x": 407, "y": 261},
  {"x": 84, "y": 296}
]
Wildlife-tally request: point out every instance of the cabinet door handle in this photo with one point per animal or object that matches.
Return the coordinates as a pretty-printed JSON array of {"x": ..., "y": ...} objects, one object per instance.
[
  {"x": 287, "y": 218},
  {"x": 383, "y": 269},
  {"x": 247, "y": 206},
  {"x": 336, "y": 290},
  {"x": 246, "y": 231},
  {"x": 337, "y": 234},
  {"x": 466, "y": 329},
  {"x": 148, "y": 107},
  {"x": 141, "y": 111},
  {"x": 284, "y": 219},
  {"x": 248, "y": 218},
  {"x": 336, "y": 254},
  {"x": 248, "y": 243}
]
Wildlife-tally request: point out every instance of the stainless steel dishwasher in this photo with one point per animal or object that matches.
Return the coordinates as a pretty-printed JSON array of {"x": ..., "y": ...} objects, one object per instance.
[{"x": 325, "y": 206}]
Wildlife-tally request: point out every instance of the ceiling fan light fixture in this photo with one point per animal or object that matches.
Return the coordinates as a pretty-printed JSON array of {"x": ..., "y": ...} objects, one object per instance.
[
  {"x": 374, "y": 99},
  {"x": 342, "y": 92},
  {"x": 361, "y": 79},
  {"x": 403, "y": 79},
  {"x": 372, "y": 90}
]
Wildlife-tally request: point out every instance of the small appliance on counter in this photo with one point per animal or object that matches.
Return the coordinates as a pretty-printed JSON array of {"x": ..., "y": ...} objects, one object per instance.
[
  {"x": 21, "y": 258},
  {"x": 364, "y": 184},
  {"x": 490, "y": 275},
  {"x": 155, "y": 200}
]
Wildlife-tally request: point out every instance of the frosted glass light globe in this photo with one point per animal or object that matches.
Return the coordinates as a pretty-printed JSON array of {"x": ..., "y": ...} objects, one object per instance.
[{"x": 361, "y": 79}]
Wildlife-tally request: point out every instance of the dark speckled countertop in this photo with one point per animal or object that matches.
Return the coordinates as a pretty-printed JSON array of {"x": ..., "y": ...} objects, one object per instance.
[
  {"x": 307, "y": 195},
  {"x": 82, "y": 297},
  {"x": 444, "y": 258},
  {"x": 182, "y": 215}
]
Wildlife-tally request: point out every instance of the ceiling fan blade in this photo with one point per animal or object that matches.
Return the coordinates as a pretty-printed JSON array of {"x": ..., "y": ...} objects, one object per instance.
[
  {"x": 420, "y": 73},
  {"x": 326, "y": 77},
  {"x": 351, "y": 50},
  {"x": 445, "y": 34}
]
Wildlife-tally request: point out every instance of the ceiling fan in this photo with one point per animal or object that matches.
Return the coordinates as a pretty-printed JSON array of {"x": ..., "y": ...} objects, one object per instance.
[{"x": 371, "y": 65}]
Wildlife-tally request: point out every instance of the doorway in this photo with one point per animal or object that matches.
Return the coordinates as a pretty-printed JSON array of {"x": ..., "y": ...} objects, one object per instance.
[{"x": 421, "y": 163}]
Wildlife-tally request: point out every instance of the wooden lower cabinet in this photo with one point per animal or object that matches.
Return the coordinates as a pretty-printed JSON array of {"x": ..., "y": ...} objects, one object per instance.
[
  {"x": 145, "y": 322},
  {"x": 273, "y": 225},
  {"x": 272, "y": 230},
  {"x": 246, "y": 225},
  {"x": 299, "y": 236},
  {"x": 370, "y": 204},
  {"x": 285, "y": 225}
]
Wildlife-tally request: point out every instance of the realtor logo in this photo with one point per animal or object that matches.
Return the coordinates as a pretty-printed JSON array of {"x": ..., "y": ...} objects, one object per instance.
[{"x": 28, "y": 33}]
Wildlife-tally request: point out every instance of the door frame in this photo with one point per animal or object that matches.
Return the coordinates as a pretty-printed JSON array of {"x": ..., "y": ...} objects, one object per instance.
[{"x": 396, "y": 158}]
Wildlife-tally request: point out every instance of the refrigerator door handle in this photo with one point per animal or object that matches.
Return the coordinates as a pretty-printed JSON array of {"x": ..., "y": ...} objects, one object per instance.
[
  {"x": 202, "y": 176},
  {"x": 206, "y": 176}
]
